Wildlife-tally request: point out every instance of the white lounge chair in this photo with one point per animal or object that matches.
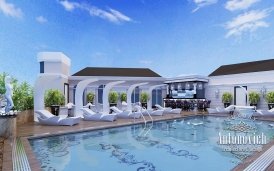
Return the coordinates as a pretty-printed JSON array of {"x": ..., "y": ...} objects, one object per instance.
[
  {"x": 244, "y": 111},
  {"x": 70, "y": 105},
  {"x": 125, "y": 114},
  {"x": 169, "y": 110},
  {"x": 89, "y": 115},
  {"x": 124, "y": 105},
  {"x": 226, "y": 110},
  {"x": 89, "y": 105},
  {"x": 149, "y": 111},
  {"x": 264, "y": 113},
  {"x": 47, "y": 118}
]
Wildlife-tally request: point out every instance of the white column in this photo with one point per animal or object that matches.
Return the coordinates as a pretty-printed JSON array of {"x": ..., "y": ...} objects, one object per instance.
[
  {"x": 194, "y": 88},
  {"x": 106, "y": 90},
  {"x": 149, "y": 102},
  {"x": 79, "y": 95},
  {"x": 129, "y": 93},
  {"x": 96, "y": 97}
]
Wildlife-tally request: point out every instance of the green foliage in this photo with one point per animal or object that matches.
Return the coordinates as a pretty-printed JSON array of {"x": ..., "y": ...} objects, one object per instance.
[
  {"x": 144, "y": 97},
  {"x": 54, "y": 97},
  {"x": 253, "y": 97},
  {"x": 90, "y": 97},
  {"x": 2, "y": 83},
  {"x": 227, "y": 97},
  {"x": 22, "y": 96},
  {"x": 22, "y": 93},
  {"x": 123, "y": 97},
  {"x": 113, "y": 97},
  {"x": 270, "y": 97}
]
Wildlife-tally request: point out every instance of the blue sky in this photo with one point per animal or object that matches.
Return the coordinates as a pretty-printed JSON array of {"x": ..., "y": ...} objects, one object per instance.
[{"x": 173, "y": 37}]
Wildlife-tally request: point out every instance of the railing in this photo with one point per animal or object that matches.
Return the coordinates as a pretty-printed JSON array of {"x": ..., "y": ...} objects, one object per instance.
[
  {"x": 147, "y": 113},
  {"x": 146, "y": 129},
  {"x": 145, "y": 121}
]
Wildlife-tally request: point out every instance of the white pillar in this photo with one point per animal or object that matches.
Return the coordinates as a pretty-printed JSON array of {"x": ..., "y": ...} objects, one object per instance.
[
  {"x": 194, "y": 88},
  {"x": 96, "y": 97},
  {"x": 79, "y": 95},
  {"x": 149, "y": 102},
  {"x": 129, "y": 93},
  {"x": 106, "y": 90}
]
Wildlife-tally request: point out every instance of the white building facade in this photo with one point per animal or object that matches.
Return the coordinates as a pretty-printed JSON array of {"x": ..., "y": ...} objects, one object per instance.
[{"x": 238, "y": 79}]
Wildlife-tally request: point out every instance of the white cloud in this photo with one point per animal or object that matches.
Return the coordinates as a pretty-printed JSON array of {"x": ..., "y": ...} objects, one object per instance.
[
  {"x": 120, "y": 15},
  {"x": 41, "y": 19},
  {"x": 233, "y": 5},
  {"x": 9, "y": 9},
  {"x": 203, "y": 3},
  {"x": 247, "y": 22},
  {"x": 69, "y": 6},
  {"x": 110, "y": 15}
]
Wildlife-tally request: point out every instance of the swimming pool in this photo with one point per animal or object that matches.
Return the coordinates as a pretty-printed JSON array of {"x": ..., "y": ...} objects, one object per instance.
[{"x": 187, "y": 144}]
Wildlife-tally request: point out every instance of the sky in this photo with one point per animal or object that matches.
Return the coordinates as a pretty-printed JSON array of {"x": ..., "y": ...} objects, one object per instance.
[{"x": 171, "y": 37}]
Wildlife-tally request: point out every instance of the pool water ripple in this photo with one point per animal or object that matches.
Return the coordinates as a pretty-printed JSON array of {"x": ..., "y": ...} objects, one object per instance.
[{"x": 167, "y": 145}]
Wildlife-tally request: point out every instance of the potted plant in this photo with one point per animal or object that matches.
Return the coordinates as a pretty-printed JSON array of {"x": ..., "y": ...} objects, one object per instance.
[
  {"x": 113, "y": 98},
  {"x": 90, "y": 97},
  {"x": 144, "y": 99},
  {"x": 53, "y": 99},
  {"x": 123, "y": 97},
  {"x": 270, "y": 99},
  {"x": 226, "y": 99},
  {"x": 253, "y": 98}
]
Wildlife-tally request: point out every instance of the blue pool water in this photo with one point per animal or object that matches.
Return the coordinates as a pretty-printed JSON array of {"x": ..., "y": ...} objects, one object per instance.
[{"x": 187, "y": 144}]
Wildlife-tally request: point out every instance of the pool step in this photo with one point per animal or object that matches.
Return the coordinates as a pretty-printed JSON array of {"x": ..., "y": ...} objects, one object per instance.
[
  {"x": 261, "y": 163},
  {"x": 19, "y": 157}
]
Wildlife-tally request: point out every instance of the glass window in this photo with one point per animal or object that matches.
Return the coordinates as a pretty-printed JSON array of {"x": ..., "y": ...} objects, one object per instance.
[
  {"x": 135, "y": 95},
  {"x": 157, "y": 97},
  {"x": 42, "y": 67},
  {"x": 100, "y": 93}
]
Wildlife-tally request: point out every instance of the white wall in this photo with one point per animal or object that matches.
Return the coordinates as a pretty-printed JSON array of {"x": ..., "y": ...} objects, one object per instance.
[
  {"x": 217, "y": 101},
  {"x": 254, "y": 81},
  {"x": 56, "y": 72},
  {"x": 55, "y": 62},
  {"x": 56, "y": 67}
]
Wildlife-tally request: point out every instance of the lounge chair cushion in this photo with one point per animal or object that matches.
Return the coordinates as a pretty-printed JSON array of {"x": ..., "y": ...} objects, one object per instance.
[
  {"x": 86, "y": 110},
  {"x": 115, "y": 109},
  {"x": 230, "y": 108},
  {"x": 44, "y": 114},
  {"x": 271, "y": 110}
]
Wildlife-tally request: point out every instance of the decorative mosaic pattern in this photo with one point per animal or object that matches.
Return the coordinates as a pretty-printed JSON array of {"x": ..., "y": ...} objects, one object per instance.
[
  {"x": 168, "y": 148},
  {"x": 241, "y": 127},
  {"x": 127, "y": 158},
  {"x": 183, "y": 153},
  {"x": 57, "y": 147}
]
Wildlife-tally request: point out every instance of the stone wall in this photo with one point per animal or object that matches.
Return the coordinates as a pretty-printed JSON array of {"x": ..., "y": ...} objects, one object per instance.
[
  {"x": 25, "y": 117},
  {"x": 7, "y": 126}
]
